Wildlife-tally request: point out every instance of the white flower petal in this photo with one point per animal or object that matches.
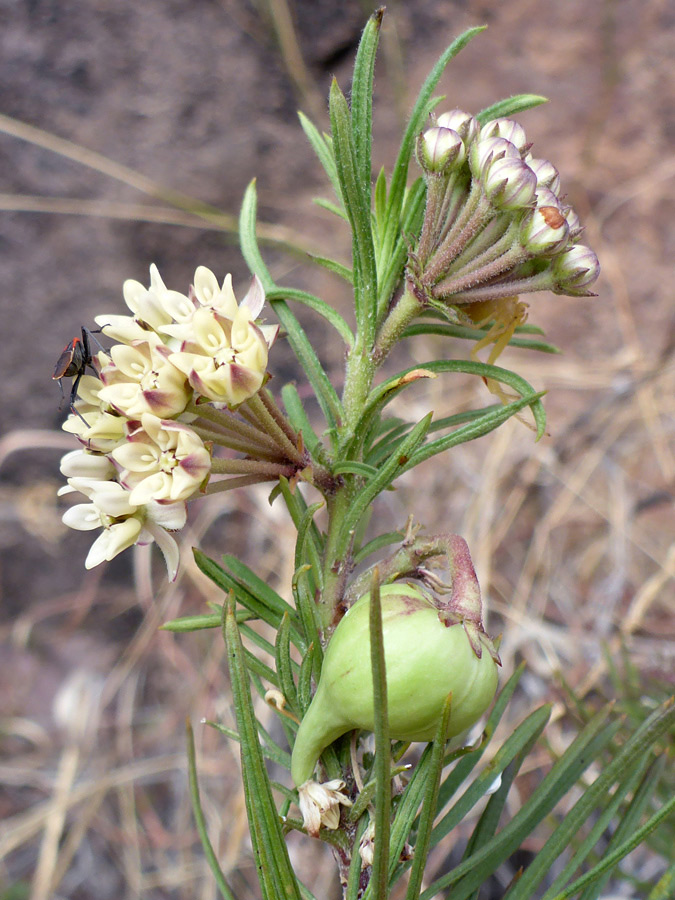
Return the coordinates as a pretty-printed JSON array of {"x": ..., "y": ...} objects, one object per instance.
[
  {"x": 168, "y": 546},
  {"x": 168, "y": 515},
  {"x": 82, "y": 517}
]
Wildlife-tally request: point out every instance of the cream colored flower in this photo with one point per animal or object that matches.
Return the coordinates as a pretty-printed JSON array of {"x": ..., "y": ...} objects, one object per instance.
[
  {"x": 141, "y": 379},
  {"x": 152, "y": 308},
  {"x": 227, "y": 358},
  {"x": 85, "y": 464},
  {"x": 320, "y": 804},
  {"x": 124, "y": 523},
  {"x": 94, "y": 423},
  {"x": 161, "y": 460}
]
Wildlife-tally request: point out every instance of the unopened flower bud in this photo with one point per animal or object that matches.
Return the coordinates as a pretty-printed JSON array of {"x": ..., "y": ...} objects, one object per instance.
[
  {"x": 544, "y": 231},
  {"x": 546, "y": 197},
  {"x": 575, "y": 271},
  {"x": 510, "y": 184},
  {"x": 463, "y": 123},
  {"x": 546, "y": 172},
  {"x": 425, "y": 661},
  {"x": 84, "y": 464},
  {"x": 439, "y": 150},
  {"x": 485, "y": 151},
  {"x": 508, "y": 129},
  {"x": 574, "y": 224}
]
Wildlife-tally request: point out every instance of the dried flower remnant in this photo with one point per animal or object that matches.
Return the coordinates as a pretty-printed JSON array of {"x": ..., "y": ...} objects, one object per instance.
[{"x": 320, "y": 804}]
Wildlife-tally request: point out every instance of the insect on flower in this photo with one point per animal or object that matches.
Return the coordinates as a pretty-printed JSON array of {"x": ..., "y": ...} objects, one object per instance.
[{"x": 73, "y": 362}]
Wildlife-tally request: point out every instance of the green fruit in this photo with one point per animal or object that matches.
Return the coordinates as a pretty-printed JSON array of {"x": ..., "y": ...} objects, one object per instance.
[{"x": 425, "y": 661}]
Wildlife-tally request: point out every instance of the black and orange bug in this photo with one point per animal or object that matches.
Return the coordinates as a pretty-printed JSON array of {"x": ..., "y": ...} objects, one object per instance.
[{"x": 73, "y": 363}]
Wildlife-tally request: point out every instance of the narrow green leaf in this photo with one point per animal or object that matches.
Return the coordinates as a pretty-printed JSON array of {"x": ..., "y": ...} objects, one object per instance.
[
  {"x": 363, "y": 801},
  {"x": 304, "y": 599},
  {"x": 324, "y": 390},
  {"x": 378, "y": 543},
  {"x": 511, "y": 106},
  {"x": 475, "y": 429},
  {"x": 469, "y": 760},
  {"x": 379, "y": 878},
  {"x": 353, "y": 891},
  {"x": 380, "y": 203},
  {"x": 383, "y": 448},
  {"x": 387, "y": 390},
  {"x": 319, "y": 306},
  {"x": 627, "y": 824},
  {"x": 466, "y": 758},
  {"x": 248, "y": 238},
  {"x": 253, "y": 593},
  {"x": 415, "y": 125},
  {"x": 309, "y": 544},
  {"x": 609, "y": 860},
  {"x": 257, "y": 587},
  {"x": 387, "y": 473},
  {"x": 565, "y": 772},
  {"x": 356, "y": 196},
  {"x": 335, "y": 267},
  {"x": 635, "y": 751},
  {"x": 298, "y": 417},
  {"x": 200, "y": 821},
  {"x": 268, "y": 751},
  {"x": 323, "y": 150},
  {"x": 261, "y": 808},
  {"x": 201, "y": 622},
  {"x": 428, "y": 813},
  {"x": 393, "y": 254},
  {"x": 584, "y": 849},
  {"x": 527, "y": 732},
  {"x": 321, "y": 385},
  {"x": 352, "y": 467},
  {"x": 331, "y": 208},
  {"x": 664, "y": 889},
  {"x": 285, "y": 665},
  {"x": 362, "y": 95},
  {"x": 463, "y": 332},
  {"x": 305, "y": 680},
  {"x": 489, "y": 820}
]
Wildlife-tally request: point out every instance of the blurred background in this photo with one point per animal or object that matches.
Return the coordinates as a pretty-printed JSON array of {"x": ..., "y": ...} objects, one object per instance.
[{"x": 107, "y": 111}]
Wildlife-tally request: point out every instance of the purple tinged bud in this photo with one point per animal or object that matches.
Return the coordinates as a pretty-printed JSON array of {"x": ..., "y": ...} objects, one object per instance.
[
  {"x": 544, "y": 231},
  {"x": 546, "y": 197},
  {"x": 508, "y": 129},
  {"x": 509, "y": 184},
  {"x": 439, "y": 150},
  {"x": 574, "y": 224},
  {"x": 466, "y": 126},
  {"x": 546, "y": 172},
  {"x": 575, "y": 270},
  {"x": 485, "y": 151}
]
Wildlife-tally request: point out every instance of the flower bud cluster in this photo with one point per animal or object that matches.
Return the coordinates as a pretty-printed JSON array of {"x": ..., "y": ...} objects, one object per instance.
[
  {"x": 495, "y": 224},
  {"x": 186, "y": 374}
]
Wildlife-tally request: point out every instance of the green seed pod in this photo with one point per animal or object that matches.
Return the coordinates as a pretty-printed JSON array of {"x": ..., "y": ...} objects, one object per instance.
[{"x": 425, "y": 661}]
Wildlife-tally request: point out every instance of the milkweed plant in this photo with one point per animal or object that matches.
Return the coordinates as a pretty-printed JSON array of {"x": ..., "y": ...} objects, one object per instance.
[{"x": 383, "y": 635}]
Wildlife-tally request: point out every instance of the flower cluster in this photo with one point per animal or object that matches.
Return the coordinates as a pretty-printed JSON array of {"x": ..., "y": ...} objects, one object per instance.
[
  {"x": 495, "y": 226},
  {"x": 187, "y": 373}
]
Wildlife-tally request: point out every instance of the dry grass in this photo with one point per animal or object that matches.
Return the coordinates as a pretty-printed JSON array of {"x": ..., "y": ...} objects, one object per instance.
[{"x": 573, "y": 540}]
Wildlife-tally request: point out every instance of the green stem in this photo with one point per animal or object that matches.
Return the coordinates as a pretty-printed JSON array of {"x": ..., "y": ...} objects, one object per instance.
[
  {"x": 336, "y": 563},
  {"x": 405, "y": 310}
]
